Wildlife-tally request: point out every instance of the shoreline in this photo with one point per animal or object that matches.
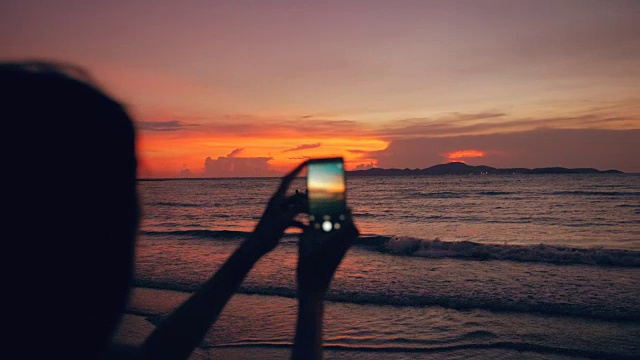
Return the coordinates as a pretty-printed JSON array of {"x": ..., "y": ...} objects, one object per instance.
[{"x": 238, "y": 336}]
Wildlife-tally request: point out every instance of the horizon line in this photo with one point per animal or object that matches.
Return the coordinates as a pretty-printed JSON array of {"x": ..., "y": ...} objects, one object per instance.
[{"x": 400, "y": 169}]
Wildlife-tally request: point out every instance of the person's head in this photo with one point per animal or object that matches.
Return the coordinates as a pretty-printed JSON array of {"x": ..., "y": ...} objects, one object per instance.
[{"x": 73, "y": 170}]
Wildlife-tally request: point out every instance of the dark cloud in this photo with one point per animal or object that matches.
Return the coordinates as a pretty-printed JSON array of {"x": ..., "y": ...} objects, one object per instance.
[
  {"x": 604, "y": 114},
  {"x": 233, "y": 166},
  {"x": 303, "y": 147},
  {"x": 319, "y": 127},
  {"x": 456, "y": 116},
  {"x": 173, "y": 125},
  {"x": 365, "y": 166},
  {"x": 255, "y": 126},
  {"x": 601, "y": 149},
  {"x": 238, "y": 167},
  {"x": 235, "y": 152},
  {"x": 300, "y": 158},
  {"x": 468, "y": 125},
  {"x": 185, "y": 173}
]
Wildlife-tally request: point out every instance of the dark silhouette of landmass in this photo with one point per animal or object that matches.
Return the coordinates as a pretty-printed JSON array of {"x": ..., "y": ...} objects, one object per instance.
[{"x": 459, "y": 168}]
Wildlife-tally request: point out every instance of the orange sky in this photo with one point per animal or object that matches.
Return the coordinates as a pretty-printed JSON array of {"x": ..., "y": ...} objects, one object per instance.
[
  {"x": 252, "y": 88},
  {"x": 171, "y": 154}
]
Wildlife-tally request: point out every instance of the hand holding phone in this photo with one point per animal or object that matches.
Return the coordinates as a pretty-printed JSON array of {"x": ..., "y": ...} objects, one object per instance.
[{"x": 326, "y": 191}]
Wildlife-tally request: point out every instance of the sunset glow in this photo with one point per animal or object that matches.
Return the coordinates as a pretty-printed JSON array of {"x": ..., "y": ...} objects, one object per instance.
[
  {"x": 460, "y": 155},
  {"x": 387, "y": 84},
  {"x": 166, "y": 155}
]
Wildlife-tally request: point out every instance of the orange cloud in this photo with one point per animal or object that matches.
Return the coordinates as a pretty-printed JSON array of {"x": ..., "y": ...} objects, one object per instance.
[
  {"x": 459, "y": 155},
  {"x": 197, "y": 153}
]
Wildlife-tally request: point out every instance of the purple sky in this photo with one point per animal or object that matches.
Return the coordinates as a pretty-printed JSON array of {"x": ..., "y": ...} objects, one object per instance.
[{"x": 401, "y": 83}]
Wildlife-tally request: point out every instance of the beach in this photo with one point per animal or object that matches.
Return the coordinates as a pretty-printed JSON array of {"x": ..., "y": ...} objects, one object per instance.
[
  {"x": 459, "y": 290},
  {"x": 267, "y": 331}
]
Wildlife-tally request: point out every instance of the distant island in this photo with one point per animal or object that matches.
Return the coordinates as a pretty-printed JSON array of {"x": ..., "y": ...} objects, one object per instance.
[{"x": 460, "y": 168}]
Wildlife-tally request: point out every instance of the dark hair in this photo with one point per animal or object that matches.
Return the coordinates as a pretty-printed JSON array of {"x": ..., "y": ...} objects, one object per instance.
[{"x": 73, "y": 191}]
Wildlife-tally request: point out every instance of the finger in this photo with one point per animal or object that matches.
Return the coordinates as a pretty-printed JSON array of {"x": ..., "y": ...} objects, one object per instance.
[{"x": 287, "y": 179}]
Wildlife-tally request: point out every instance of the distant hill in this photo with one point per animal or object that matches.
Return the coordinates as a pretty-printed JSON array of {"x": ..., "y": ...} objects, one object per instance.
[{"x": 459, "y": 168}]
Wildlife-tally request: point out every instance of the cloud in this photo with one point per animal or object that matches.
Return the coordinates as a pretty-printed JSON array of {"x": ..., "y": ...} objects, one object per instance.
[
  {"x": 185, "y": 173},
  {"x": 594, "y": 114},
  {"x": 363, "y": 154},
  {"x": 442, "y": 125},
  {"x": 303, "y": 147},
  {"x": 365, "y": 166},
  {"x": 358, "y": 152},
  {"x": 299, "y": 158},
  {"x": 255, "y": 126},
  {"x": 467, "y": 124},
  {"x": 173, "y": 125},
  {"x": 233, "y": 166},
  {"x": 235, "y": 152},
  {"x": 506, "y": 138},
  {"x": 601, "y": 149},
  {"x": 459, "y": 155}
]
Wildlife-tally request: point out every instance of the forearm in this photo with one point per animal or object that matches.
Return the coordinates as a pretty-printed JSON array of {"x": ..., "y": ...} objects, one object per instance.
[
  {"x": 308, "y": 338},
  {"x": 184, "y": 329}
]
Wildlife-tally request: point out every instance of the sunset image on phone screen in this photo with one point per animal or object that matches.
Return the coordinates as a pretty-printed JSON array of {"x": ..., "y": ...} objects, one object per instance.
[{"x": 326, "y": 187}]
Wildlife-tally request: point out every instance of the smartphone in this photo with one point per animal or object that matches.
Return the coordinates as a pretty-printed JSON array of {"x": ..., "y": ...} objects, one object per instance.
[{"x": 326, "y": 191}]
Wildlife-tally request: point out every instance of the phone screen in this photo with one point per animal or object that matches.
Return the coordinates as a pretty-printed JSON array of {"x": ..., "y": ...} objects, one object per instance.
[{"x": 326, "y": 191}]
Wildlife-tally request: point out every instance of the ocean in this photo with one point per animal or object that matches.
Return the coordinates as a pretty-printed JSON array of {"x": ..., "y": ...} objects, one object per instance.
[{"x": 484, "y": 266}]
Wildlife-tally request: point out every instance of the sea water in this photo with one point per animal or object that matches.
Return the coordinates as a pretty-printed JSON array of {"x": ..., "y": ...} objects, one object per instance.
[{"x": 447, "y": 266}]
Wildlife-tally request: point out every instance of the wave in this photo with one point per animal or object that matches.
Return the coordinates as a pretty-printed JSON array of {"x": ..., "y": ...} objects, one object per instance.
[
  {"x": 628, "y": 205},
  {"x": 174, "y": 204},
  {"x": 494, "y": 193},
  {"x": 464, "y": 194},
  {"x": 439, "y": 195},
  {"x": 408, "y": 246},
  {"x": 202, "y": 234},
  {"x": 420, "y": 300},
  {"x": 437, "y": 249},
  {"x": 498, "y": 345},
  {"x": 597, "y": 193}
]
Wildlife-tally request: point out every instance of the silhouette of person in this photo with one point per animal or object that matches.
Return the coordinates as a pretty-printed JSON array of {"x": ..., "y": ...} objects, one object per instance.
[{"x": 75, "y": 197}]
